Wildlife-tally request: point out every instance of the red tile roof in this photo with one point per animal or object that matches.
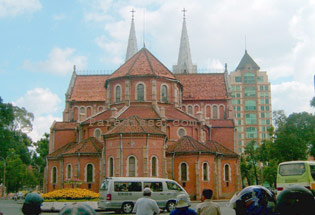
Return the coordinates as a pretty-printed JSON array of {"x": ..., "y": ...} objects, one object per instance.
[
  {"x": 143, "y": 63},
  {"x": 61, "y": 150},
  {"x": 219, "y": 148},
  {"x": 65, "y": 125},
  {"x": 221, "y": 123},
  {"x": 203, "y": 86},
  {"x": 174, "y": 113},
  {"x": 104, "y": 115},
  {"x": 89, "y": 88},
  {"x": 134, "y": 124},
  {"x": 89, "y": 145},
  {"x": 188, "y": 144},
  {"x": 146, "y": 112}
]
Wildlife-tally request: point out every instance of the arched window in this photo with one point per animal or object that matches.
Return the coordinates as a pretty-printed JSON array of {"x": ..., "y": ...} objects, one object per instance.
[
  {"x": 89, "y": 173},
  {"x": 215, "y": 112},
  {"x": 117, "y": 93},
  {"x": 132, "y": 166},
  {"x": 97, "y": 133},
  {"x": 164, "y": 93},
  {"x": 154, "y": 166},
  {"x": 100, "y": 108},
  {"x": 140, "y": 92},
  {"x": 205, "y": 172},
  {"x": 69, "y": 171},
  {"x": 227, "y": 172},
  {"x": 82, "y": 113},
  {"x": 190, "y": 110},
  {"x": 183, "y": 172},
  {"x": 181, "y": 132},
  {"x": 54, "y": 175},
  {"x": 111, "y": 167}
]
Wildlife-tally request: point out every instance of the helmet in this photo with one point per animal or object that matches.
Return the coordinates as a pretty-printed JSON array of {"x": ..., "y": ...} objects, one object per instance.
[
  {"x": 295, "y": 200},
  {"x": 253, "y": 200}
]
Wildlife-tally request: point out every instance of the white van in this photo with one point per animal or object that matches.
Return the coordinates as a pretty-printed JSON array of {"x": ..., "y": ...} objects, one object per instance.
[{"x": 121, "y": 193}]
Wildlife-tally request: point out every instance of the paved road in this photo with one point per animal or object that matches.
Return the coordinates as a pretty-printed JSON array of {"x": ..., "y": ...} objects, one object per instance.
[{"x": 11, "y": 207}]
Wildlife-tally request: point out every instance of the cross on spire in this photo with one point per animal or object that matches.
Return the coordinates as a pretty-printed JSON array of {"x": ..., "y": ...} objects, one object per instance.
[
  {"x": 132, "y": 13},
  {"x": 184, "y": 13}
]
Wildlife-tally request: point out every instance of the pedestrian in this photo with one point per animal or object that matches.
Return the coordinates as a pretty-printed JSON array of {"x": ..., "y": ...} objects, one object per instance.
[
  {"x": 207, "y": 207},
  {"x": 32, "y": 204},
  {"x": 146, "y": 205},
  {"x": 182, "y": 206}
]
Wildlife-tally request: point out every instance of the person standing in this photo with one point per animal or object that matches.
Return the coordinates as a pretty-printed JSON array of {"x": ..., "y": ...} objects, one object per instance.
[
  {"x": 182, "y": 206},
  {"x": 146, "y": 205},
  {"x": 207, "y": 207}
]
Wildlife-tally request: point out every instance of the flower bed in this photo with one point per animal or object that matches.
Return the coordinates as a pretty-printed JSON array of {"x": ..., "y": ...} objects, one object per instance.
[{"x": 71, "y": 194}]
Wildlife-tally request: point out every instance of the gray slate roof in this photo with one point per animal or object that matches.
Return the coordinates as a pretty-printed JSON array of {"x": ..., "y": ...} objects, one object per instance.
[{"x": 247, "y": 60}]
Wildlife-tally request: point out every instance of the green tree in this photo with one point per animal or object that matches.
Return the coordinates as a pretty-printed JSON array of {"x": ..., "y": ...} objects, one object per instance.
[
  {"x": 39, "y": 158},
  {"x": 252, "y": 157},
  {"x": 295, "y": 139},
  {"x": 246, "y": 171},
  {"x": 18, "y": 174}
]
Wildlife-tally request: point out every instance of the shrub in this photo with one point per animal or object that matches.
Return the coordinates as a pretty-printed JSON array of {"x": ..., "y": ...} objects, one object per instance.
[{"x": 71, "y": 194}]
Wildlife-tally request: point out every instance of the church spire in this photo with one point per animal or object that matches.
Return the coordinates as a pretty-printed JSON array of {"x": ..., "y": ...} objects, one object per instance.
[
  {"x": 184, "y": 62},
  {"x": 132, "y": 41}
]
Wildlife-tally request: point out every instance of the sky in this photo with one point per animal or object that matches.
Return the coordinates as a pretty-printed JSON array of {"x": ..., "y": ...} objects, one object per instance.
[{"x": 41, "y": 40}]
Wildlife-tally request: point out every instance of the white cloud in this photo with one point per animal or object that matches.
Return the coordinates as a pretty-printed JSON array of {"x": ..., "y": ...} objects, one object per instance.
[
  {"x": 40, "y": 101},
  {"x": 44, "y": 105},
  {"x": 279, "y": 37},
  {"x": 18, "y": 7},
  {"x": 60, "y": 62},
  {"x": 292, "y": 97},
  {"x": 59, "y": 17}
]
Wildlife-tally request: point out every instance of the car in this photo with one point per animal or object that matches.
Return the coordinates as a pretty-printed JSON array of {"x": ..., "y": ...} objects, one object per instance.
[{"x": 121, "y": 193}]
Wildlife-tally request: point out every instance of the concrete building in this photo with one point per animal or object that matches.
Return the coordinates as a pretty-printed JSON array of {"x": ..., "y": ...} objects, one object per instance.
[{"x": 251, "y": 101}]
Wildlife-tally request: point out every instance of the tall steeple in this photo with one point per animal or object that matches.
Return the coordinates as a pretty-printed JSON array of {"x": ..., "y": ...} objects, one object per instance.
[
  {"x": 184, "y": 62},
  {"x": 132, "y": 41}
]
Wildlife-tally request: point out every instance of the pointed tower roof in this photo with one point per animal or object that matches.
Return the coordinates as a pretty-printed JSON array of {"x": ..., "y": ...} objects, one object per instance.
[
  {"x": 184, "y": 62},
  {"x": 132, "y": 41},
  {"x": 247, "y": 60},
  {"x": 142, "y": 64}
]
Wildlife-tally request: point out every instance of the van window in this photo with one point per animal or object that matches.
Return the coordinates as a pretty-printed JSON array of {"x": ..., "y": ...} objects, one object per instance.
[
  {"x": 104, "y": 185},
  {"x": 154, "y": 186},
  {"x": 173, "y": 186},
  {"x": 292, "y": 169},
  {"x": 127, "y": 186},
  {"x": 312, "y": 168}
]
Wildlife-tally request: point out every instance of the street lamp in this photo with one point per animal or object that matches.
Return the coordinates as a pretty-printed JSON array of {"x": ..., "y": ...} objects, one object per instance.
[{"x": 4, "y": 162}]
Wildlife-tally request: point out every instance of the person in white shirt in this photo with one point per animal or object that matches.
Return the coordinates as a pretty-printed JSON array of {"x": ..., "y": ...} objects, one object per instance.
[
  {"x": 207, "y": 207},
  {"x": 146, "y": 205}
]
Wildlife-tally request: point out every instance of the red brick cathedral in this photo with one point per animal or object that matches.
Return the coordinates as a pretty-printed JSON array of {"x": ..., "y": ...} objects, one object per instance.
[{"x": 145, "y": 121}]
